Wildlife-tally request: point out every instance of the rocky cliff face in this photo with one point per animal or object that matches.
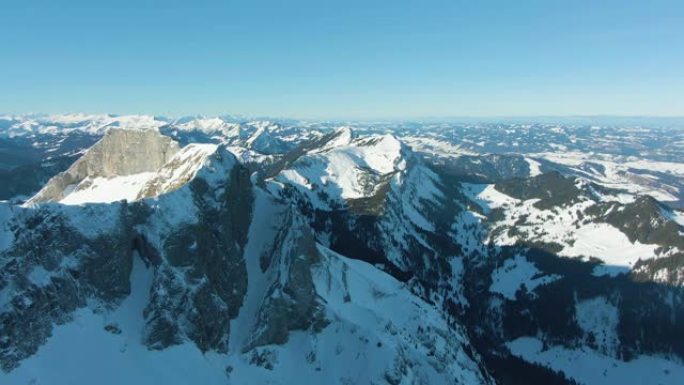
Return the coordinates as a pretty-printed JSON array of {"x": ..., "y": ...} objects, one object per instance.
[
  {"x": 118, "y": 153},
  {"x": 53, "y": 268},
  {"x": 64, "y": 257},
  {"x": 201, "y": 280},
  {"x": 350, "y": 259},
  {"x": 489, "y": 253},
  {"x": 228, "y": 274}
]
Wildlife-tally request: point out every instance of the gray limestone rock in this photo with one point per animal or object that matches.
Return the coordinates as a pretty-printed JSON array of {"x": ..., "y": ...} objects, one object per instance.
[
  {"x": 118, "y": 153},
  {"x": 201, "y": 283},
  {"x": 291, "y": 302},
  {"x": 50, "y": 271}
]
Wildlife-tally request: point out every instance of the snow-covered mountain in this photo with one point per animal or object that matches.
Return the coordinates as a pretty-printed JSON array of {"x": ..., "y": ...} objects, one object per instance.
[
  {"x": 126, "y": 165},
  {"x": 34, "y": 148},
  {"x": 221, "y": 251}
]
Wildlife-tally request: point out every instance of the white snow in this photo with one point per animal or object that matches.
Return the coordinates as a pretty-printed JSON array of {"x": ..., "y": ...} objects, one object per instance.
[
  {"x": 676, "y": 215},
  {"x": 345, "y": 171},
  {"x": 468, "y": 231},
  {"x": 603, "y": 241},
  {"x": 618, "y": 173},
  {"x": 377, "y": 327},
  {"x": 487, "y": 196},
  {"x": 92, "y": 220},
  {"x": 39, "y": 276},
  {"x": 180, "y": 169},
  {"x": 211, "y": 125},
  {"x": 261, "y": 233},
  {"x": 81, "y": 352},
  {"x": 560, "y": 226},
  {"x": 170, "y": 211},
  {"x": 414, "y": 188},
  {"x": 516, "y": 272},
  {"x": 599, "y": 317},
  {"x": 343, "y": 136},
  {"x": 382, "y": 156},
  {"x": 245, "y": 155},
  {"x": 106, "y": 190},
  {"x": 666, "y": 167},
  {"x": 436, "y": 147},
  {"x": 384, "y": 318},
  {"x": 592, "y": 368},
  {"x": 68, "y": 123},
  {"x": 535, "y": 167}
]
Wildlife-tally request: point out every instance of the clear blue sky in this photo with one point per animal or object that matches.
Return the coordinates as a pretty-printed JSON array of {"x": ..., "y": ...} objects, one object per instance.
[{"x": 343, "y": 59}]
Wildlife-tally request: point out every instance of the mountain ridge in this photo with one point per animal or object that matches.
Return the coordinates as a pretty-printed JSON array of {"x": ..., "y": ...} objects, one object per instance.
[{"x": 343, "y": 245}]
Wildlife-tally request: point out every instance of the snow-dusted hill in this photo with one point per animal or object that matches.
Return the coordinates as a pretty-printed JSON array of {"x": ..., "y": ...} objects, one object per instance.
[{"x": 228, "y": 251}]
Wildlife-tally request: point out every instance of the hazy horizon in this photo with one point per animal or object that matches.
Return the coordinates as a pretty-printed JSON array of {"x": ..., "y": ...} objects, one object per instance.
[{"x": 656, "y": 121}]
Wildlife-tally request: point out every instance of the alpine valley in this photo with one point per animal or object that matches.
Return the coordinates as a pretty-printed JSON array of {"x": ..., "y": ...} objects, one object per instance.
[{"x": 145, "y": 250}]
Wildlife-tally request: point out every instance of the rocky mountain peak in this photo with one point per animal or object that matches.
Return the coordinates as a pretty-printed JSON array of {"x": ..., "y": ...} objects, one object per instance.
[
  {"x": 119, "y": 153},
  {"x": 344, "y": 254},
  {"x": 340, "y": 137}
]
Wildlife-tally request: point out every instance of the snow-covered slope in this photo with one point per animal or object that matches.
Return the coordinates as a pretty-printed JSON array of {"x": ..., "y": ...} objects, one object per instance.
[
  {"x": 120, "y": 153},
  {"x": 63, "y": 124},
  {"x": 577, "y": 224},
  {"x": 344, "y": 169},
  {"x": 589, "y": 367},
  {"x": 338, "y": 257},
  {"x": 175, "y": 173},
  {"x": 114, "y": 170},
  {"x": 115, "y": 338},
  {"x": 220, "y": 282},
  {"x": 378, "y": 331}
]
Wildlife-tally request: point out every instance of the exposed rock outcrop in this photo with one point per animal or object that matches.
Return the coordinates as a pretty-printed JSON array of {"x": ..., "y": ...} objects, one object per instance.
[
  {"x": 201, "y": 282},
  {"x": 63, "y": 258},
  {"x": 290, "y": 302},
  {"x": 51, "y": 270},
  {"x": 118, "y": 153}
]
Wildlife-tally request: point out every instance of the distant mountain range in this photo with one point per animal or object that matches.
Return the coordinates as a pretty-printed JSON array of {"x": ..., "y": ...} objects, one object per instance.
[{"x": 226, "y": 250}]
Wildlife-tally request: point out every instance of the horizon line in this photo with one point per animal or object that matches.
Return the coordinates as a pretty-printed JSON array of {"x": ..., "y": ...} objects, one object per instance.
[{"x": 350, "y": 118}]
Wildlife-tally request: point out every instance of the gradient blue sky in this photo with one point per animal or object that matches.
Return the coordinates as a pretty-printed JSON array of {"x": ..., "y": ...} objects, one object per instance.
[{"x": 343, "y": 59}]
